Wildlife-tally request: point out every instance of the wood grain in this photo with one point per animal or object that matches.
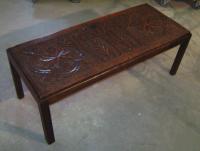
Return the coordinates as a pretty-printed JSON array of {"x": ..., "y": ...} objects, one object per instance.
[{"x": 62, "y": 60}]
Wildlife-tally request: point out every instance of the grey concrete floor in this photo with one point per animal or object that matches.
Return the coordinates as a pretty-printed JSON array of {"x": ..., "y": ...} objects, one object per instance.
[{"x": 140, "y": 109}]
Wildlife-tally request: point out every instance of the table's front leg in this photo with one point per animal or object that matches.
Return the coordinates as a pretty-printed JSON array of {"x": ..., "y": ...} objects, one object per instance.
[
  {"x": 17, "y": 81},
  {"x": 180, "y": 55},
  {"x": 46, "y": 122}
]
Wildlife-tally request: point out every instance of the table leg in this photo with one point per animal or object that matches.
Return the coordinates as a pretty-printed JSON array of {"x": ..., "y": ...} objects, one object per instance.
[
  {"x": 17, "y": 82},
  {"x": 179, "y": 56},
  {"x": 46, "y": 122}
]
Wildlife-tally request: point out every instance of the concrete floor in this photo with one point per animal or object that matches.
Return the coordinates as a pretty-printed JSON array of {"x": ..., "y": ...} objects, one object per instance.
[{"x": 140, "y": 109}]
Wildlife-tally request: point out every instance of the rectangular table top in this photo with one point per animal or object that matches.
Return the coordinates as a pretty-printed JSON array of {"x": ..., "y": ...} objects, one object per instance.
[{"x": 55, "y": 64}]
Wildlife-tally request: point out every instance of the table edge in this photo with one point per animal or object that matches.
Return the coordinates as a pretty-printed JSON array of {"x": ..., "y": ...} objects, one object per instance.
[{"x": 58, "y": 93}]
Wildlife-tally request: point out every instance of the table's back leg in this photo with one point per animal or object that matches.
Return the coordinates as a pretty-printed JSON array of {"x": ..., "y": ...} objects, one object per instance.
[
  {"x": 179, "y": 56},
  {"x": 46, "y": 122},
  {"x": 17, "y": 82}
]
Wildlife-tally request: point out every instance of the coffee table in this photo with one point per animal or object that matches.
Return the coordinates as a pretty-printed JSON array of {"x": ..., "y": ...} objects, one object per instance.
[{"x": 55, "y": 66}]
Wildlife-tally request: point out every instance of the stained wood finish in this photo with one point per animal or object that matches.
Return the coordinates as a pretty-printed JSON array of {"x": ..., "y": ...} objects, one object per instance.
[
  {"x": 55, "y": 66},
  {"x": 179, "y": 56},
  {"x": 46, "y": 122},
  {"x": 17, "y": 82}
]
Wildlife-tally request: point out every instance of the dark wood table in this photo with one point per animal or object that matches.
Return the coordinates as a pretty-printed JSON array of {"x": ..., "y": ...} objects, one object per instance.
[{"x": 60, "y": 64}]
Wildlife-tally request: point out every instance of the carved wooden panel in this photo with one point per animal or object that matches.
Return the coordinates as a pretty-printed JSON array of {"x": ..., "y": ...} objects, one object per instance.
[{"x": 61, "y": 60}]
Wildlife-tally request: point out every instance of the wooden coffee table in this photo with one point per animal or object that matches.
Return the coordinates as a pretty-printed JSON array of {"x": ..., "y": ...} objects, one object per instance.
[{"x": 60, "y": 64}]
